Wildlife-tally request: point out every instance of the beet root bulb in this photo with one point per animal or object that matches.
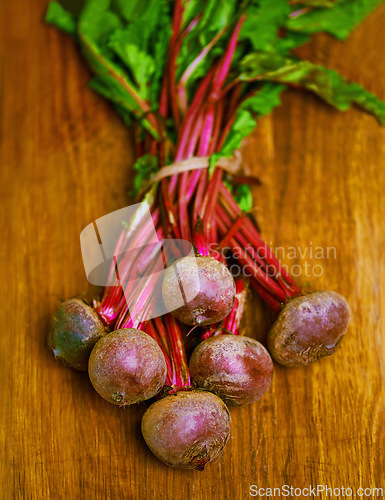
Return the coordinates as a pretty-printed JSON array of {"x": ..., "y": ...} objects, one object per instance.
[
  {"x": 205, "y": 286},
  {"x": 188, "y": 429},
  {"x": 127, "y": 366},
  {"x": 237, "y": 369},
  {"x": 75, "y": 329},
  {"x": 308, "y": 328}
]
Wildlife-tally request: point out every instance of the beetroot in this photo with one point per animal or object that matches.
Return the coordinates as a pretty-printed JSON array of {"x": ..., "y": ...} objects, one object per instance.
[
  {"x": 187, "y": 429},
  {"x": 127, "y": 366},
  {"x": 206, "y": 287},
  {"x": 237, "y": 369},
  {"x": 309, "y": 328},
  {"x": 74, "y": 330}
]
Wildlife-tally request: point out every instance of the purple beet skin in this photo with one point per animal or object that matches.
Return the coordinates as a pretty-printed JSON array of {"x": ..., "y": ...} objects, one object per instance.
[
  {"x": 74, "y": 330},
  {"x": 207, "y": 288},
  {"x": 127, "y": 366},
  {"x": 187, "y": 429},
  {"x": 237, "y": 369},
  {"x": 309, "y": 328}
]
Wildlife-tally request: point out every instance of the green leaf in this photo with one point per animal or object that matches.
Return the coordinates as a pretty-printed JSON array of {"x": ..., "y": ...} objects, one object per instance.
[
  {"x": 125, "y": 115},
  {"x": 60, "y": 18},
  {"x": 214, "y": 159},
  {"x": 261, "y": 103},
  {"x": 327, "y": 4},
  {"x": 327, "y": 84},
  {"x": 265, "y": 99},
  {"x": 139, "y": 63},
  {"x": 215, "y": 16},
  {"x": 129, "y": 11},
  {"x": 263, "y": 20},
  {"x": 97, "y": 22},
  {"x": 263, "y": 27},
  {"x": 243, "y": 196},
  {"x": 243, "y": 126},
  {"x": 338, "y": 21},
  {"x": 191, "y": 10},
  {"x": 141, "y": 47},
  {"x": 125, "y": 44},
  {"x": 107, "y": 86},
  {"x": 96, "y": 26},
  {"x": 290, "y": 41},
  {"x": 145, "y": 166},
  {"x": 160, "y": 47}
]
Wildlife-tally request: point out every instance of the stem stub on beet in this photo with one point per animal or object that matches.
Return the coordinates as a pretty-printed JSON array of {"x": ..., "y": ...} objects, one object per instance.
[
  {"x": 207, "y": 288},
  {"x": 308, "y": 328},
  {"x": 74, "y": 330},
  {"x": 187, "y": 429}
]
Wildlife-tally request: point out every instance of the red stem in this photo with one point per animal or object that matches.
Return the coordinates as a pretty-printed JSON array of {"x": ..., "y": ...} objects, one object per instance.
[
  {"x": 184, "y": 222},
  {"x": 199, "y": 195},
  {"x": 138, "y": 301},
  {"x": 173, "y": 51},
  {"x": 232, "y": 322},
  {"x": 259, "y": 247},
  {"x": 210, "y": 202},
  {"x": 151, "y": 330},
  {"x": 181, "y": 378},
  {"x": 199, "y": 239},
  {"x": 271, "y": 301},
  {"x": 256, "y": 271},
  {"x": 217, "y": 128},
  {"x": 169, "y": 210},
  {"x": 224, "y": 67}
]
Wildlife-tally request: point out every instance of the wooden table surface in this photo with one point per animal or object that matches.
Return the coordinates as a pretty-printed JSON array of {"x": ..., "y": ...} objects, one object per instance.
[{"x": 65, "y": 160}]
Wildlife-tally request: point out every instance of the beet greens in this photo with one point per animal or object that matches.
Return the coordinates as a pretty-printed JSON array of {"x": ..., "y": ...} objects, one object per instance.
[{"x": 192, "y": 78}]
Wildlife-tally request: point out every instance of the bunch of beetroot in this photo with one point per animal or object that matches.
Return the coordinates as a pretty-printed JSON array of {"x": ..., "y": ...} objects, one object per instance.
[{"x": 192, "y": 77}]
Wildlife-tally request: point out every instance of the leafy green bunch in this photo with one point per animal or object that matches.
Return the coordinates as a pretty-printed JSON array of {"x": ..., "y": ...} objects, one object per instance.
[{"x": 126, "y": 44}]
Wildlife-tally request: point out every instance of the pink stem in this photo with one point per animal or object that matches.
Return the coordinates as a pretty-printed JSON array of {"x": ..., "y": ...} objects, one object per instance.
[
  {"x": 185, "y": 129},
  {"x": 138, "y": 302},
  {"x": 184, "y": 222},
  {"x": 262, "y": 248},
  {"x": 210, "y": 202},
  {"x": 245, "y": 259},
  {"x": 177, "y": 353},
  {"x": 113, "y": 298},
  {"x": 151, "y": 330},
  {"x": 174, "y": 48},
  {"x": 232, "y": 322},
  {"x": 224, "y": 67},
  {"x": 217, "y": 128},
  {"x": 195, "y": 63},
  {"x": 271, "y": 301},
  {"x": 169, "y": 210},
  {"x": 199, "y": 239}
]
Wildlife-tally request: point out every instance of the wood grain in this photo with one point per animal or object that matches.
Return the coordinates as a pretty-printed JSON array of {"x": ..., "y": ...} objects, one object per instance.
[{"x": 66, "y": 160}]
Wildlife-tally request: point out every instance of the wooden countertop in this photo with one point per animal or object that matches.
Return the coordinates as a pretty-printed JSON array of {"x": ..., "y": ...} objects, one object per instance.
[{"x": 65, "y": 160}]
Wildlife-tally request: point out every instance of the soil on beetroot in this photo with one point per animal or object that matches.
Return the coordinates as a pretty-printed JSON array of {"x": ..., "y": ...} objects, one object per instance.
[
  {"x": 309, "y": 328},
  {"x": 75, "y": 328},
  {"x": 127, "y": 366},
  {"x": 188, "y": 429}
]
